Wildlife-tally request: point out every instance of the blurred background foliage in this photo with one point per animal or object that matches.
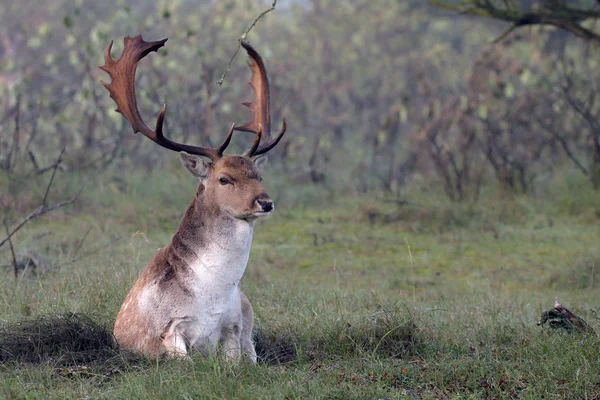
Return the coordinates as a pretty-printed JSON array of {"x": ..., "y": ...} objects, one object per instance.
[
  {"x": 377, "y": 94},
  {"x": 434, "y": 165}
]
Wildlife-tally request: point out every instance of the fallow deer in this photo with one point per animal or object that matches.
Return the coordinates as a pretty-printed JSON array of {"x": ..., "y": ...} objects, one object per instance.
[{"x": 188, "y": 297}]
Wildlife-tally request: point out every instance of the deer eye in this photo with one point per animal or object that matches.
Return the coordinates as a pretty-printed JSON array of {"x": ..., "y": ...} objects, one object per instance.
[
  {"x": 224, "y": 181},
  {"x": 260, "y": 178}
]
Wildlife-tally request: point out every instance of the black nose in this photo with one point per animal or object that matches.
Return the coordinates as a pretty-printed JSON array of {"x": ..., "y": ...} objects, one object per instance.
[{"x": 267, "y": 205}]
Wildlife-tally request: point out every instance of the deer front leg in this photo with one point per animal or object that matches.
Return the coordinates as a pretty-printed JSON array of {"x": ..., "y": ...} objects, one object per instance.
[
  {"x": 230, "y": 341},
  {"x": 247, "y": 345},
  {"x": 246, "y": 335},
  {"x": 181, "y": 334},
  {"x": 175, "y": 344}
]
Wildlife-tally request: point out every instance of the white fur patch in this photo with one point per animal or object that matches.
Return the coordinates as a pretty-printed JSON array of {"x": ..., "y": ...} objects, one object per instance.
[{"x": 218, "y": 271}]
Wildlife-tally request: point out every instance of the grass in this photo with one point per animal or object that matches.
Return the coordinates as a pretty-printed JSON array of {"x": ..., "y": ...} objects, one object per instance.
[{"x": 343, "y": 309}]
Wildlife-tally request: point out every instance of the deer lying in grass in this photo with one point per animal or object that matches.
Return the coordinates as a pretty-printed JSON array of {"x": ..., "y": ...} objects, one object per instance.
[{"x": 188, "y": 297}]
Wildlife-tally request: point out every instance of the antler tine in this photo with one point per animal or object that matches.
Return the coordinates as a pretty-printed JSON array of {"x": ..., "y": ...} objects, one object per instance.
[
  {"x": 122, "y": 91},
  {"x": 225, "y": 143},
  {"x": 260, "y": 107},
  {"x": 252, "y": 150},
  {"x": 273, "y": 142}
]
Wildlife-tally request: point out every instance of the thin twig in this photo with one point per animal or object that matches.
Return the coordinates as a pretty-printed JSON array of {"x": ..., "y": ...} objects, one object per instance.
[
  {"x": 243, "y": 37},
  {"x": 412, "y": 264},
  {"x": 90, "y": 253},
  {"x": 33, "y": 160},
  {"x": 40, "y": 171},
  {"x": 504, "y": 34},
  {"x": 58, "y": 160},
  {"x": 41, "y": 210},
  {"x": 565, "y": 146},
  {"x": 12, "y": 247},
  {"x": 568, "y": 19},
  {"x": 14, "y": 151},
  {"x": 82, "y": 241}
]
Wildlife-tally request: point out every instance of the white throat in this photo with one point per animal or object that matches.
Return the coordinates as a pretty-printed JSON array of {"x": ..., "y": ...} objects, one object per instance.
[{"x": 222, "y": 261}]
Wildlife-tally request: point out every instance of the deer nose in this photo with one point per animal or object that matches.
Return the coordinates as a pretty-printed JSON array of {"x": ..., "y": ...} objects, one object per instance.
[{"x": 267, "y": 205}]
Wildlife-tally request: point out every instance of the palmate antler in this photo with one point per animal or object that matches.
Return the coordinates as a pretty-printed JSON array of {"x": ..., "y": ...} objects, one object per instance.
[
  {"x": 260, "y": 107},
  {"x": 122, "y": 91}
]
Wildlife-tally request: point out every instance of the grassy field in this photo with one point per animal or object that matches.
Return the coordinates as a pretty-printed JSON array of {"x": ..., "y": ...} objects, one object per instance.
[{"x": 355, "y": 296}]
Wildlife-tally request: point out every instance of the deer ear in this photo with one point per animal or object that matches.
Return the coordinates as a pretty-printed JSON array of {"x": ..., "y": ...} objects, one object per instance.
[
  {"x": 261, "y": 162},
  {"x": 195, "y": 165}
]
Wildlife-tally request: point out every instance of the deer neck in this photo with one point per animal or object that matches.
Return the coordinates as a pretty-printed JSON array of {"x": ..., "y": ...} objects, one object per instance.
[{"x": 210, "y": 246}]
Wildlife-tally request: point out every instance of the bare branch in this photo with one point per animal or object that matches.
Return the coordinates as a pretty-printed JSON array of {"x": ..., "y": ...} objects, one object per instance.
[
  {"x": 80, "y": 244},
  {"x": 505, "y": 34},
  {"x": 58, "y": 160},
  {"x": 34, "y": 161},
  {"x": 243, "y": 37},
  {"x": 41, "y": 210},
  {"x": 555, "y": 13},
  {"x": 6, "y": 228},
  {"x": 563, "y": 143}
]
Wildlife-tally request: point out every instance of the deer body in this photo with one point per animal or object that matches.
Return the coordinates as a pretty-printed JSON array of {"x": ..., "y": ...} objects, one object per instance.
[
  {"x": 188, "y": 297},
  {"x": 189, "y": 294}
]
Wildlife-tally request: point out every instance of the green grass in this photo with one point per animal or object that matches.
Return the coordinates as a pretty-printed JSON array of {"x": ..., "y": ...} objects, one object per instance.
[{"x": 355, "y": 296}]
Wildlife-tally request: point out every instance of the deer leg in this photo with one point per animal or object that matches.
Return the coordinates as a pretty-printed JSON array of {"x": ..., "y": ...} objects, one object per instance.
[
  {"x": 178, "y": 336},
  {"x": 246, "y": 342},
  {"x": 230, "y": 341},
  {"x": 175, "y": 344}
]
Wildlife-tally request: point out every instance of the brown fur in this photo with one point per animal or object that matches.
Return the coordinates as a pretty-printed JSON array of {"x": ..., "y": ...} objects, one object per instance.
[{"x": 170, "y": 277}]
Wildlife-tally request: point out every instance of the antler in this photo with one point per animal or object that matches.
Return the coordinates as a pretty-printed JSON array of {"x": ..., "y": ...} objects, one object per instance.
[
  {"x": 122, "y": 91},
  {"x": 260, "y": 107}
]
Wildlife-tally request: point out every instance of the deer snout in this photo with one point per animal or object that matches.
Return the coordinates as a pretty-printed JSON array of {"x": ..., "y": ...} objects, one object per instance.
[{"x": 266, "y": 205}]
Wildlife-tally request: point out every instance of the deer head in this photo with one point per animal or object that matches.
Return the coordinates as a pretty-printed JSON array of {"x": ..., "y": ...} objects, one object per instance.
[{"x": 230, "y": 181}]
